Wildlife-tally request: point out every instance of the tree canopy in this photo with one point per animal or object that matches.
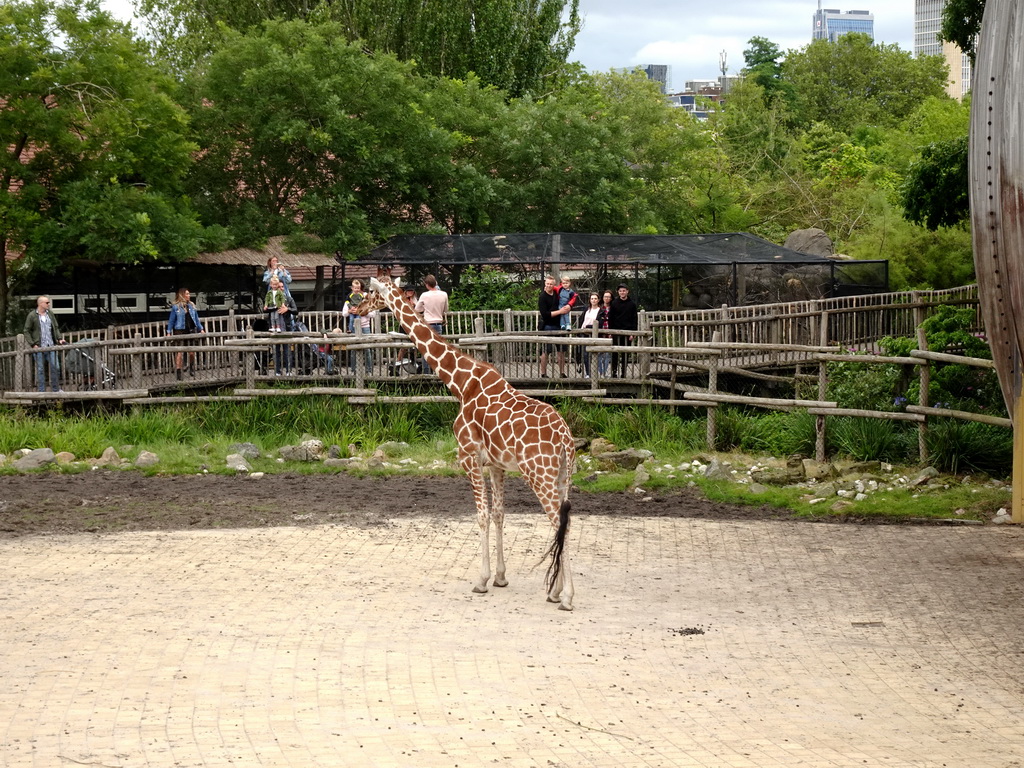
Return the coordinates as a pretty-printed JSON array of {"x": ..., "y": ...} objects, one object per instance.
[
  {"x": 96, "y": 147},
  {"x": 520, "y": 46},
  {"x": 855, "y": 82}
]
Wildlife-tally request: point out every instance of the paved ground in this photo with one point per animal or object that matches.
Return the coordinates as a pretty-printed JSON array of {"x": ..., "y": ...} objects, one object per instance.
[{"x": 693, "y": 643}]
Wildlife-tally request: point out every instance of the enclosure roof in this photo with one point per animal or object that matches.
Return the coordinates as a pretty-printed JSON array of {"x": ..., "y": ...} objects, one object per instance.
[
  {"x": 570, "y": 248},
  {"x": 257, "y": 257}
]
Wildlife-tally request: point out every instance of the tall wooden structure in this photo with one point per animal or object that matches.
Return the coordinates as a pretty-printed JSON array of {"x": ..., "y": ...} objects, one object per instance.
[{"x": 997, "y": 206}]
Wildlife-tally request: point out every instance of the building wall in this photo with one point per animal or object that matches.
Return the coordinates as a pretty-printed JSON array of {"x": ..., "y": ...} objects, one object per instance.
[{"x": 927, "y": 21}]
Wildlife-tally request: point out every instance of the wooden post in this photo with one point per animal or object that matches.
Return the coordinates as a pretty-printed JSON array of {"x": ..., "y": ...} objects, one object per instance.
[
  {"x": 20, "y": 358},
  {"x": 250, "y": 361},
  {"x": 1017, "y": 495},
  {"x": 925, "y": 374},
  {"x": 360, "y": 361},
  {"x": 478, "y": 331},
  {"x": 711, "y": 434},
  {"x": 137, "y": 362},
  {"x": 820, "y": 453}
]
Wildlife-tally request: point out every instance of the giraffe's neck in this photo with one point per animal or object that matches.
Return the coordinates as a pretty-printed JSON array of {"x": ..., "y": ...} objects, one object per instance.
[{"x": 442, "y": 357}]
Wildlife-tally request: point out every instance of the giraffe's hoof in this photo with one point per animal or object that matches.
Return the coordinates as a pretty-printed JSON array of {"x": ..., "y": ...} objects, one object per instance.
[
  {"x": 564, "y": 607},
  {"x": 500, "y": 582},
  {"x": 480, "y": 590},
  {"x": 553, "y": 599}
]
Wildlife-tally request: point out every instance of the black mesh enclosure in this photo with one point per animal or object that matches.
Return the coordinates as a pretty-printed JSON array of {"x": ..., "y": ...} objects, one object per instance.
[{"x": 668, "y": 271}]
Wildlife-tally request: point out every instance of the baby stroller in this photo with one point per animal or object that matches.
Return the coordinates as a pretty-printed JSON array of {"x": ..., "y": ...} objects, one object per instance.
[
  {"x": 311, "y": 356},
  {"x": 80, "y": 364}
]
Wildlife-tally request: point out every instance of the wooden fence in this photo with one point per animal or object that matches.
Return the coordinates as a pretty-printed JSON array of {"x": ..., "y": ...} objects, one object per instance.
[{"x": 675, "y": 359}]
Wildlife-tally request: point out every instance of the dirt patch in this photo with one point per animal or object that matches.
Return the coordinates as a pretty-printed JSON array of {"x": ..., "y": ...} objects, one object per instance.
[{"x": 105, "y": 500}]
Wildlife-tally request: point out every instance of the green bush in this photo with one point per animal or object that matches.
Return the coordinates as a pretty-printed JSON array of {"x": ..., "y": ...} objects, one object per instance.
[
  {"x": 959, "y": 446},
  {"x": 873, "y": 439}
]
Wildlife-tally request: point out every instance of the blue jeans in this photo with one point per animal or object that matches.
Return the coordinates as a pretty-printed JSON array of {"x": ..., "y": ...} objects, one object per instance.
[
  {"x": 439, "y": 329},
  {"x": 43, "y": 356}
]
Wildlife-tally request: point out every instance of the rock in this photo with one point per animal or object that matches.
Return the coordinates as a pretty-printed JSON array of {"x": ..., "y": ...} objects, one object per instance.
[
  {"x": 295, "y": 453},
  {"x": 64, "y": 457},
  {"x": 630, "y": 458},
  {"x": 812, "y": 241},
  {"x": 926, "y": 474},
  {"x": 238, "y": 462},
  {"x": 599, "y": 446},
  {"x": 640, "y": 476},
  {"x": 777, "y": 476},
  {"x": 334, "y": 452},
  {"x": 247, "y": 450},
  {"x": 717, "y": 471},
  {"x": 825, "y": 490},
  {"x": 392, "y": 448},
  {"x": 255, "y": 475},
  {"x": 3, "y": 459},
  {"x": 146, "y": 459},
  {"x": 36, "y": 459},
  {"x": 757, "y": 489},
  {"x": 839, "y": 506},
  {"x": 337, "y": 462},
  {"x": 1002, "y": 517},
  {"x": 581, "y": 444},
  {"x": 817, "y": 470},
  {"x": 314, "y": 448},
  {"x": 861, "y": 468},
  {"x": 109, "y": 456}
]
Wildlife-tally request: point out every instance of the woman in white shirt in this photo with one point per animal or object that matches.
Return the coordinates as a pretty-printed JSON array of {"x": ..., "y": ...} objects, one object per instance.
[{"x": 591, "y": 318}]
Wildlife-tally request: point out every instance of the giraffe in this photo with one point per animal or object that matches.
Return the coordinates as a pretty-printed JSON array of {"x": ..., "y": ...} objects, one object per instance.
[{"x": 498, "y": 429}]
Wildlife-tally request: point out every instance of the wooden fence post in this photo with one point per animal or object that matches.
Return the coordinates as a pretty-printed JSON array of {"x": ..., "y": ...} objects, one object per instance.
[
  {"x": 137, "y": 362},
  {"x": 20, "y": 358},
  {"x": 711, "y": 434},
  {"x": 820, "y": 453},
  {"x": 925, "y": 374},
  {"x": 250, "y": 361}
]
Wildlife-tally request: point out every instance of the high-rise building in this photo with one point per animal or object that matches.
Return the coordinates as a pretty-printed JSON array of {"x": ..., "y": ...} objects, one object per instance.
[
  {"x": 927, "y": 21},
  {"x": 659, "y": 73},
  {"x": 830, "y": 23}
]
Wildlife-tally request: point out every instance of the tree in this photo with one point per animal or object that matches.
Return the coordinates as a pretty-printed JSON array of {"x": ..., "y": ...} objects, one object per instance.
[
  {"x": 935, "y": 193},
  {"x": 961, "y": 23},
  {"x": 520, "y": 46},
  {"x": 854, "y": 82},
  {"x": 95, "y": 145},
  {"x": 765, "y": 70},
  {"x": 300, "y": 130}
]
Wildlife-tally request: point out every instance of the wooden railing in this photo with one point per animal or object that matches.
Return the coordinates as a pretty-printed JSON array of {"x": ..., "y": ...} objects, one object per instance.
[{"x": 124, "y": 361}]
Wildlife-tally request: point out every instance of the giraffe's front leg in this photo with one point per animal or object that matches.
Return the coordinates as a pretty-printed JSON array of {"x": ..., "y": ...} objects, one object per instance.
[
  {"x": 471, "y": 465},
  {"x": 498, "y": 517}
]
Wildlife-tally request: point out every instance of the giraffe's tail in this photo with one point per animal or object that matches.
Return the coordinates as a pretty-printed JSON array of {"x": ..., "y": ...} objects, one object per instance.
[{"x": 558, "y": 546}]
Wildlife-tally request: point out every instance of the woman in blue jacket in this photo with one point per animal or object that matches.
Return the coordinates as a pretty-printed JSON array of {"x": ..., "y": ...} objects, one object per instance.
[{"x": 184, "y": 320}]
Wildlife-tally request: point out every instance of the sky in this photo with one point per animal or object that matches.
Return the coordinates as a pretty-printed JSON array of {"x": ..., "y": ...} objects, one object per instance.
[{"x": 688, "y": 35}]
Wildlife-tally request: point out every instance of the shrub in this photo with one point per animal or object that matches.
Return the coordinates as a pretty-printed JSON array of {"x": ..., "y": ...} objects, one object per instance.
[
  {"x": 957, "y": 446},
  {"x": 872, "y": 439}
]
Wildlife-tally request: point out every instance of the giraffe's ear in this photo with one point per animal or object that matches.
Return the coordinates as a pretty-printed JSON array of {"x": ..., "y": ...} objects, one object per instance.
[
  {"x": 398, "y": 282},
  {"x": 376, "y": 285}
]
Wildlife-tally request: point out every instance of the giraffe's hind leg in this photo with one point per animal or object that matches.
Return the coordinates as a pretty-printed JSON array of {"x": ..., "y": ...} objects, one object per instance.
[
  {"x": 498, "y": 518},
  {"x": 545, "y": 484},
  {"x": 471, "y": 464}
]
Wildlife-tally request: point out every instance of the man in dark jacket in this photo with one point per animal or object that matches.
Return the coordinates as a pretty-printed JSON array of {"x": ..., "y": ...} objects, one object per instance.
[
  {"x": 623, "y": 315},
  {"x": 550, "y": 320},
  {"x": 42, "y": 333}
]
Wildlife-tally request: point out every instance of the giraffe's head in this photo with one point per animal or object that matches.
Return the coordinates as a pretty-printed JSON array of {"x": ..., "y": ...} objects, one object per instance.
[{"x": 372, "y": 300}]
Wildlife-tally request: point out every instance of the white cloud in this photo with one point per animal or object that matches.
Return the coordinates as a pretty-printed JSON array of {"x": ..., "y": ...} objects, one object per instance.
[{"x": 689, "y": 35}]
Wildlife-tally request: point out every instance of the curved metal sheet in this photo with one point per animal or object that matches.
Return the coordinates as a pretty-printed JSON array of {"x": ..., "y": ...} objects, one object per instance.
[{"x": 997, "y": 187}]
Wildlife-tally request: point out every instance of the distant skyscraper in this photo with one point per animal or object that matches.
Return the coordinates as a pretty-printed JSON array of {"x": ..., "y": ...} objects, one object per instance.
[
  {"x": 659, "y": 73},
  {"x": 830, "y": 23},
  {"x": 927, "y": 20}
]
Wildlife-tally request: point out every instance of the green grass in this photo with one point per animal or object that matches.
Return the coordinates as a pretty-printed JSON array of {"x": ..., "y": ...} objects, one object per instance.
[{"x": 193, "y": 437}]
